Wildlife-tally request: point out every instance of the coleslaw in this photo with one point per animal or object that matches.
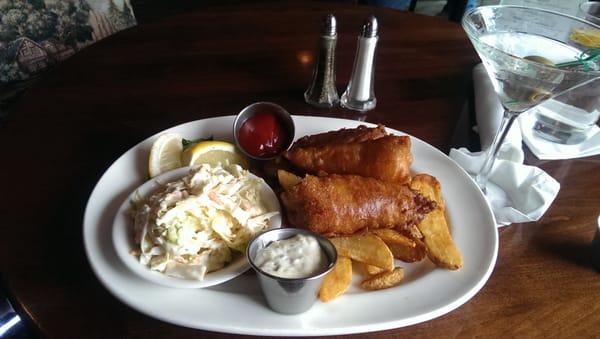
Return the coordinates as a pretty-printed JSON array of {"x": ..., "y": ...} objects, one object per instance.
[{"x": 195, "y": 225}]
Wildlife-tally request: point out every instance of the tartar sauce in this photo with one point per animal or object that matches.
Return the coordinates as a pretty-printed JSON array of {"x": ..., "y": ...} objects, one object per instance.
[{"x": 297, "y": 257}]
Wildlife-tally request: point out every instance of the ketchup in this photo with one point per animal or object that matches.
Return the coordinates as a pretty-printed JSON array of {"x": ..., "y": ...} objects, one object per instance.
[{"x": 262, "y": 136}]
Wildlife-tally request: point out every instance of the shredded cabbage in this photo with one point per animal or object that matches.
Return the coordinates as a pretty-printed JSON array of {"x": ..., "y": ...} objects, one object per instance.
[{"x": 191, "y": 226}]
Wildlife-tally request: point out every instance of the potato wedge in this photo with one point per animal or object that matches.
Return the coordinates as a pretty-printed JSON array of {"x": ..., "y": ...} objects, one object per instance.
[
  {"x": 429, "y": 187},
  {"x": 337, "y": 281},
  {"x": 366, "y": 248},
  {"x": 287, "y": 179},
  {"x": 409, "y": 253},
  {"x": 441, "y": 249},
  {"x": 389, "y": 235},
  {"x": 412, "y": 232},
  {"x": 368, "y": 270},
  {"x": 383, "y": 280},
  {"x": 270, "y": 167},
  {"x": 402, "y": 247}
]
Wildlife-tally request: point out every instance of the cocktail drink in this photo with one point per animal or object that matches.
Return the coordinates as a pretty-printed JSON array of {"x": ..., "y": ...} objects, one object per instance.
[{"x": 530, "y": 58}]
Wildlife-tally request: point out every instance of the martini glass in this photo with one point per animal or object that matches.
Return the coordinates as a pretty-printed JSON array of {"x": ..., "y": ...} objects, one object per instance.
[{"x": 530, "y": 58}]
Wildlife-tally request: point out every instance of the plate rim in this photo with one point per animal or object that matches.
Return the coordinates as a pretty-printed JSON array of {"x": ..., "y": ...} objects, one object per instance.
[{"x": 351, "y": 329}]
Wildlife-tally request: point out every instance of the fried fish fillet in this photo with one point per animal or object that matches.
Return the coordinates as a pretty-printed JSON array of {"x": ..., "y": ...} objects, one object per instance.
[
  {"x": 342, "y": 136},
  {"x": 344, "y": 204},
  {"x": 387, "y": 158}
]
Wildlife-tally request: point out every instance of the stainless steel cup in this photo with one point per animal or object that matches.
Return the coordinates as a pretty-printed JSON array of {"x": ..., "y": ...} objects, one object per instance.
[
  {"x": 283, "y": 117},
  {"x": 283, "y": 295}
]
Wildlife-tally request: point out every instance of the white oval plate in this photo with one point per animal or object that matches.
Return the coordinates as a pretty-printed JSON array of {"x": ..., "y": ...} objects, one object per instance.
[
  {"x": 237, "y": 306},
  {"x": 122, "y": 236}
]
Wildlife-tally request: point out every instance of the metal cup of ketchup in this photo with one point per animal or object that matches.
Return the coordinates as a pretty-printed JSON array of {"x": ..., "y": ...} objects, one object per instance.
[{"x": 263, "y": 130}]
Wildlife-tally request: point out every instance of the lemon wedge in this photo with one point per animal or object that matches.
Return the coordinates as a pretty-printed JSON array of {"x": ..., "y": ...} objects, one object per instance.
[
  {"x": 213, "y": 153},
  {"x": 165, "y": 154},
  {"x": 586, "y": 37}
]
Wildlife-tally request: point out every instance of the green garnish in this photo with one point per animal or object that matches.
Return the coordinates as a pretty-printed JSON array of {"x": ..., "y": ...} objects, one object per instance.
[{"x": 186, "y": 142}]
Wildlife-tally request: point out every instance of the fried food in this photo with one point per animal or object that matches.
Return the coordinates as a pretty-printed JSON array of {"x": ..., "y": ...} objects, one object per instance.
[
  {"x": 402, "y": 247},
  {"x": 269, "y": 168},
  {"x": 337, "y": 281},
  {"x": 412, "y": 232},
  {"x": 387, "y": 158},
  {"x": 345, "y": 204},
  {"x": 409, "y": 253},
  {"x": 369, "y": 270},
  {"x": 392, "y": 236},
  {"x": 366, "y": 248},
  {"x": 363, "y": 198},
  {"x": 342, "y": 136},
  {"x": 430, "y": 187},
  {"x": 287, "y": 179},
  {"x": 441, "y": 249},
  {"x": 383, "y": 280}
]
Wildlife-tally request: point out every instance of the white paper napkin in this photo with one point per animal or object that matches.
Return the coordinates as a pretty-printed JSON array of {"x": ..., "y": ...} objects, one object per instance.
[
  {"x": 516, "y": 192},
  {"x": 547, "y": 150}
]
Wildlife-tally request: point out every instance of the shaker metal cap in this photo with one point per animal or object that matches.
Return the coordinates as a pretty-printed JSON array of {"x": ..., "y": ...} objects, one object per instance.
[
  {"x": 370, "y": 27},
  {"x": 329, "y": 25}
]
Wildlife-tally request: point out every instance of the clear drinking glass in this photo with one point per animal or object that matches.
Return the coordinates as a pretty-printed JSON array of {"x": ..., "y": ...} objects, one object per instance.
[
  {"x": 590, "y": 11},
  {"x": 530, "y": 58},
  {"x": 567, "y": 118}
]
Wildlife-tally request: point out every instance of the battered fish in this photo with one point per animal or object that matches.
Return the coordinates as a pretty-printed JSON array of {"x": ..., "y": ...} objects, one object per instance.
[
  {"x": 344, "y": 204},
  {"x": 387, "y": 158},
  {"x": 342, "y": 136}
]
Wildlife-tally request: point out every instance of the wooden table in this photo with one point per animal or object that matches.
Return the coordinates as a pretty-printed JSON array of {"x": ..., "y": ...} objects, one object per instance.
[{"x": 69, "y": 128}]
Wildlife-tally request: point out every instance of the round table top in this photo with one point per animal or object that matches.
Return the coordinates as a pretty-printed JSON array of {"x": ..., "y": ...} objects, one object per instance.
[{"x": 82, "y": 115}]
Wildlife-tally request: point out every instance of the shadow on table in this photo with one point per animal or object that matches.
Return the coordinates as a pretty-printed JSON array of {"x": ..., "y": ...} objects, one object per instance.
[{"x": 575, "y": 252}]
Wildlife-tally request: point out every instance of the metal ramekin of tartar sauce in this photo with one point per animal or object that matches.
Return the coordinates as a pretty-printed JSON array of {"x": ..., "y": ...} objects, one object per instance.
[{"x": 289, "y": 269}]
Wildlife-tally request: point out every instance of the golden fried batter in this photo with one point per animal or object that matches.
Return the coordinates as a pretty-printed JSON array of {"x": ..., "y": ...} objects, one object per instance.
[
  {"x": 387, "y": 158},
  {"x": 345, "y": 204},
  {"x": 342, "y": 136}
]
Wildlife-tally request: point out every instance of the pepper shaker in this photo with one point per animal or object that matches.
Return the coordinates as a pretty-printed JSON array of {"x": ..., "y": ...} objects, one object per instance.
[
  {"x": 322, "y": 91},
  {"x": 359, "y": 94}
]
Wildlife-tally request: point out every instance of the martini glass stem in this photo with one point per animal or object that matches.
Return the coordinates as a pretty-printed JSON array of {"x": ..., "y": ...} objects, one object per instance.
[{"x": 507, "y": 120}]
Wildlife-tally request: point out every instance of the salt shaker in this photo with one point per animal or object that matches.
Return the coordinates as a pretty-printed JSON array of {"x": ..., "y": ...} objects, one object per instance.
[
  {"x": 359, "y": 94},
  {"x": 322, "y": 91}
]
